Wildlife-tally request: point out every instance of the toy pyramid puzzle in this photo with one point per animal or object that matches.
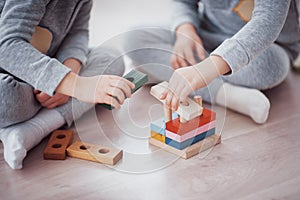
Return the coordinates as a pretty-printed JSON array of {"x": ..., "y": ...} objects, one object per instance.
[{"x": 187, "y": 132}]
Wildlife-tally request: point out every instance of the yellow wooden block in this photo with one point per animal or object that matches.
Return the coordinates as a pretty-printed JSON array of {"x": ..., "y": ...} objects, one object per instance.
[
  {"x": 96, "y": 153},
  {"x": 158, "y": 137}
]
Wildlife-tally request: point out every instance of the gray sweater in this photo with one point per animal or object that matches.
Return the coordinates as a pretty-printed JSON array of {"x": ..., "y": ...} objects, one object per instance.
[
  {"x": 239, "y": 30},
  {"x": 37, "y": 36}
]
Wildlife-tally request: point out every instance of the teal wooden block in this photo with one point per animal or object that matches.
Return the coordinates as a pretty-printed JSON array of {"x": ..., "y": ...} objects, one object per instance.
[
  {"x": 189, "y": 142},
  {"x": 138, "y": 78}
]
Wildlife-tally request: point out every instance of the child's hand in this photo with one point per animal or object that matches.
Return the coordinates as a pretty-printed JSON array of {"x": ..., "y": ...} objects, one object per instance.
[
  {"x": 109, "y": 89},
  {"x": 186, "y": 80},
  {"x": 187, "y": 42},
  {"x": 51, "y": 102}
]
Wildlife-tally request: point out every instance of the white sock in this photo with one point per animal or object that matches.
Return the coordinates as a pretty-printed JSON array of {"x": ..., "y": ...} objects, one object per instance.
[
  {"x": 250, "y": 102},
  {"x": 20, "y": 138}
]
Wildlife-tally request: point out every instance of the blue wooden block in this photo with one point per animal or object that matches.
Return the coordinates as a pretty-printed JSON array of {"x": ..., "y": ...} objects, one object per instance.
[
  {"x": 159, "y": 126},
  {"x": 189, "y": 142}
]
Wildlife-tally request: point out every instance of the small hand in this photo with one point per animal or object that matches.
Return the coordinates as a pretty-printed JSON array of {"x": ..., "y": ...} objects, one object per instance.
[
  {"x": 187, "y": 42},
  {"x": 51, "y": 102},
  {"x": 183, "y": 82},
  {"x": 108, "y": 89},
  {"x": 188, "y": 79}
]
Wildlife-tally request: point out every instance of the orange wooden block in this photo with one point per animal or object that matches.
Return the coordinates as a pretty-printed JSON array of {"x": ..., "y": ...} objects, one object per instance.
[
  {"x": 181, "y": 128},
  {"x": 158, "y": 136},
  {"x": 95, "y": 153},
  {"x": 57, "y": 145}
]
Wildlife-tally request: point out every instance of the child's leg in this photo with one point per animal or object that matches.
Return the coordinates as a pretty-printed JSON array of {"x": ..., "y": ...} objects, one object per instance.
[
  {"x": 150, "y": 50},
  {"x": 241, "y": 92},
  {"x": 19, "y": 138},
  {"x": 20, "y": 127},
  {"x": 18, "y": 103},
  {"x": 100, "y": 61}
]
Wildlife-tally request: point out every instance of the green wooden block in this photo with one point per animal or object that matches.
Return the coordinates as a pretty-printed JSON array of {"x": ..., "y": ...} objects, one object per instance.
[{"x": 138, "y": 78}]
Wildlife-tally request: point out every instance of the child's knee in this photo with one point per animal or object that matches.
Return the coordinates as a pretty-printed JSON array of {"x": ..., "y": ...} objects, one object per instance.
[
  {"x": 279, "y": 65},
  {"x": 17, "y": 101},
  {"x": 106, "y": 60}
]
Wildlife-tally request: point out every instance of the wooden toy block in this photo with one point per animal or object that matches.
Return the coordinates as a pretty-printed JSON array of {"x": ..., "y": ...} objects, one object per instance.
[
  {"x": 181, "y": 128},
  {"x": 190, "y": 151},
  {"x": 168, "y": 113},
  {"x": 198, "y": 100},
  {"x": 95, "y": 153},
  {"x": 138, "y": 78},
  {"x": 188, "y": 112},
  {"x": 191, "y": 141},
  {"x": 159, "y": 125},
  {"x": 158, "y": 136},
  {"x": 57, "y": 145},
  {"x": 191, "y": 134}
]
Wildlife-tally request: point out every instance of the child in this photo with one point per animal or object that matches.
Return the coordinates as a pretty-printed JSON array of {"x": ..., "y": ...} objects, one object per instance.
[
  {"x": 43, "y": 46},
  {"x": 252, "y": 43}
]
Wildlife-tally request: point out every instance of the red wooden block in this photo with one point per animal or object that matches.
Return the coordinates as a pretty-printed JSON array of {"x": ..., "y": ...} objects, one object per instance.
[{"x": 181, "y": 128}]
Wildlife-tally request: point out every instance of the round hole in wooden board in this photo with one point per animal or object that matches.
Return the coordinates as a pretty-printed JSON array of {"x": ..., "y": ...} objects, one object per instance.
[
  {"x": 103, "y": 151},
  {"x": 84, "y": 147},
  {"x": 61, "y": 136},
  {"x": 56, "y": 146}
]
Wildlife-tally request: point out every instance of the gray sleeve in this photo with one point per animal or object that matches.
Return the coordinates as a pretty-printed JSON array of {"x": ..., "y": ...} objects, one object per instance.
[
  {"x": 185, "y": 11},
  {"x": 18, "y": 57},
  {"x": 257, "y": 35},
  {"x": 75, "y": 45}
]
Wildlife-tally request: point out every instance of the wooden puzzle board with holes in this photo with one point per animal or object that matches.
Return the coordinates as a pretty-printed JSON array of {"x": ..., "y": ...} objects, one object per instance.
[{"x": 58, "y": 147}]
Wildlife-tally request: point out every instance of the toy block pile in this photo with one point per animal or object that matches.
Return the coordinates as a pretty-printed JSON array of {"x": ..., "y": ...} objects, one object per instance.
[
  {"x": 59, "y": 147},
  {"x": 188, "y": 131}
]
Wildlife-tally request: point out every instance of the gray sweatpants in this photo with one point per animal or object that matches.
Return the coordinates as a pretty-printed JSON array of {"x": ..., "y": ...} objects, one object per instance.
[
  {"x": 150, "y": 49},
  {"x": 18, "y": 103}
]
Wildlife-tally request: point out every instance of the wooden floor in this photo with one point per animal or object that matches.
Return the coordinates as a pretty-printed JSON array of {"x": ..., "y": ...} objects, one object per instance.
[{"x": 253, "y": 161}]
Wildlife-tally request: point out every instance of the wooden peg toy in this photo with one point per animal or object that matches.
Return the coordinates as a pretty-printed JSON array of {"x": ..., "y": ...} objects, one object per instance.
[
  {"x": 198, "y": 100},
  {"x": 95, "y": 153},
  {"x": 57, "y": 145}
]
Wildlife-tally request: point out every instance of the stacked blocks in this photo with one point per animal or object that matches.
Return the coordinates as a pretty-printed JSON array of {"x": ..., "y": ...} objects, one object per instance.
[
  {"x": 158, "y": 128},
  {"x": 184, "y": 136}
]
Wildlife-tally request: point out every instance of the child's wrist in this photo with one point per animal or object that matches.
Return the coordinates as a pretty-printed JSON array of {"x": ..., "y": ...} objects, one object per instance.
[{"x": 67, "y": 85}]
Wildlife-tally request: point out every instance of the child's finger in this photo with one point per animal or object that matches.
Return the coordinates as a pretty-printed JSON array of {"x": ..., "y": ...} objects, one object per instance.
[
  {"x": 174, "y": 62},
  {"x": 112, "y": 101},
  {"x": 181, "y": 61},
  {"x": 118, "y": 83},
  {"x": 42, "y": 97},
  {"x": 116, "y": 92},
  {"x": 189, "y": 56},
  {"x": 164, "y": 94},
  {"x": 200, "y": 51},
  {"x": 174, "y": 103}
]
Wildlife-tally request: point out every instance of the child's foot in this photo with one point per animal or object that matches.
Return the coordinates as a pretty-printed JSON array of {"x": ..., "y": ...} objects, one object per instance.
[
  {"x": 251, "y": 102},
  {"x": 20, "y": 138}
]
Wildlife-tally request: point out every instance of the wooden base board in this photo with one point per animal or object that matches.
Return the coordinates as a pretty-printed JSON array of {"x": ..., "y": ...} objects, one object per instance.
[
  {"x": 189, "y": 151},
  {"x": 95, "y": 153}
]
